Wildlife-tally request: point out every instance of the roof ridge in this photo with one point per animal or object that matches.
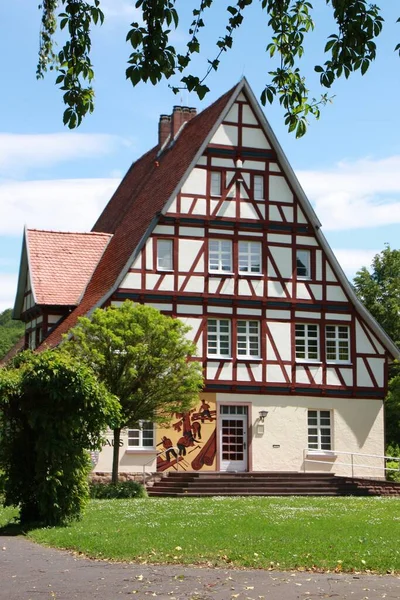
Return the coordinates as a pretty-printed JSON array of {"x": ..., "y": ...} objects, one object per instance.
[
  {"x": 33, "y": 229},
  {"x": 133, "y": 209}
]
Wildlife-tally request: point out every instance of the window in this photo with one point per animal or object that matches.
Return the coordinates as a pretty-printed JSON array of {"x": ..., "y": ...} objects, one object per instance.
[
  {"x": 337, "y": 338},
  {"x": 164, "y": 255},
  {"x": 142, "y": 437},
  {"x": 220, "y": 255},
  {"x": 258, "y": 187},
  {"x": 248, "y": 338},
  {"x": 216, "y": 183},
  {"x": 307, "y": 341},
  {"x": 219, "y": 337},
  {"x": 303, "y": 264},
  {"x": 319, "y": 430},
  {"x": 249, "y": 257}
]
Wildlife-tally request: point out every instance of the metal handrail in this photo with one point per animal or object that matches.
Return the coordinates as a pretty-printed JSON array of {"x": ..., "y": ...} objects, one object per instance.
[{"x": 327, "y": 453}]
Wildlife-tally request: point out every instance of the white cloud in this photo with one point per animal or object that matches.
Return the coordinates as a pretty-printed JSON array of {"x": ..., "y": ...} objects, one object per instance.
[
  {"x": 351, "y": 260},
  {"x": 8, "y": 289},
  {"x": 354, "y": 195},
  {"x": 19, "y": 152},
  {"x": 62, "y": 204}
]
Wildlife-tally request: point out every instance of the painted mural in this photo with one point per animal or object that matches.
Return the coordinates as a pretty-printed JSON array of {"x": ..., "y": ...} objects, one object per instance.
[{"x": 189, "y": 443}]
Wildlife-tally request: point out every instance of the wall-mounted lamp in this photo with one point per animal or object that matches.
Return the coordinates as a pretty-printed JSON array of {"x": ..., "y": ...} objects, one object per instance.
[
  {"x": 239, "y": 163},
  {"x": 263, "y": 414}
]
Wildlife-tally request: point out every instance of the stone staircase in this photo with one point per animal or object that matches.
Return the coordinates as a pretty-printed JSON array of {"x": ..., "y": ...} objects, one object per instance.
[{"x": 267, "y": 484}]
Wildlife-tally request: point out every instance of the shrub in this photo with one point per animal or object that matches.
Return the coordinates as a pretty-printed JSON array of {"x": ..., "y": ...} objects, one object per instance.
[
  {"x": 393, "y": 464},
  {"x": 123, "y": 489},
  {"x": 52, "y": 411}
]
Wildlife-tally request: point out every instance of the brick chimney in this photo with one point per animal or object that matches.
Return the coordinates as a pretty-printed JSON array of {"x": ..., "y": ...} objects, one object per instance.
[
  {"x": 164, "y": 129},
  {"x": 170, "y": 125}
]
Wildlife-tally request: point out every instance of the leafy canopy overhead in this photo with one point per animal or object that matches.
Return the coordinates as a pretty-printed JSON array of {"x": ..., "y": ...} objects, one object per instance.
[{"x": 351, "y": 47}]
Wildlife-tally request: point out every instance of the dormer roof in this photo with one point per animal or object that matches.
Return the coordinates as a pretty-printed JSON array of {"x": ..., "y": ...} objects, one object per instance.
[{"x": 60, "y": 265}]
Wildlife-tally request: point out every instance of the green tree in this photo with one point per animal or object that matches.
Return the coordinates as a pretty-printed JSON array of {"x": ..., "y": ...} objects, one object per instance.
[
  {"x": 379, "y": 291},
  {"x": 52, "y": 411},
  {"x": 141, "y": 356},
  {"x": 351, "y": 47},
  {"x": 10, "y": 331}
]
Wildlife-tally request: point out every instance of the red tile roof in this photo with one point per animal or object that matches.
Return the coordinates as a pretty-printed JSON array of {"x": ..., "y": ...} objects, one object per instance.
[
  {"x": 141, "y": 196},
  {"x": 61, "y": 264}
]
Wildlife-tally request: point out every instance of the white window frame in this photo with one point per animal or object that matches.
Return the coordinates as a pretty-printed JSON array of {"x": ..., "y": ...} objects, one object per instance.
[
  {"x": 219, "y": 259},
  {"x": 216, "y": 183},
  {"x": 338, "y": 343},
  {"x": 139, "y": 434},
  {"x": 319, "y": 432},
  {"x": 160, "y": 260},
  {"x": 258, "y": 183},
  {"x": 248, "y": 250},
  {"x": 305, "y": 263},
  {"x": 248, "y": 339},
  {"x": 217, "y": 345},
  {"x": 306, "y": 341}
]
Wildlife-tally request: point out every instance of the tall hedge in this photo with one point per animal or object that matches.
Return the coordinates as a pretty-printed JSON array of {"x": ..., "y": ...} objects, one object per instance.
[{"x": 53, "y": 411}]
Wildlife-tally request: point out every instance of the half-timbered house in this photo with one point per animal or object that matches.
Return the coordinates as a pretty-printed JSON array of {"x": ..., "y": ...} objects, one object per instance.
[{"x": 212, "y": 227}]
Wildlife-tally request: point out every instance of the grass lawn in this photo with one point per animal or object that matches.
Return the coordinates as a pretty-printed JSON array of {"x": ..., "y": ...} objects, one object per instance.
[{"x": 286, "y": 533}]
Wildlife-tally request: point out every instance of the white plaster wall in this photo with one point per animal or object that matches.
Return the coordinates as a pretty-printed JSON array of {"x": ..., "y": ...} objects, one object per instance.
[
  {"x": 279, "y": 191},
  {"x": 130, "y": 461},
  {"x": 254, "y": 164},
  {"x": 188, "y": 251},
  {"x": 195, "y": 284},
  {"x": 281, "y": 335},
  {"x": 132, "y": 281},
  {"x": 228, "y": 163},
  {"x": 363, "y": 345},
  {"x": 248, "y": 116},
  {"x": 357, "y": 426},
  {"x": 283, "y": 260},
  {"x": 149, "y": 253},
  {"x": 334, "y": 293},
  {"x": 233, "y": 114},
  {"x": 226, "y": 135},
  {"x": 196, "y": 183},
  {"x": 274, "y": 168},
  {"x": 254, "y": 138}
]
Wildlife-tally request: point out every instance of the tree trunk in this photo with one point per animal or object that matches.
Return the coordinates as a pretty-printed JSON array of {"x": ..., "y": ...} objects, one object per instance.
[{"x": 117, "y": 436}]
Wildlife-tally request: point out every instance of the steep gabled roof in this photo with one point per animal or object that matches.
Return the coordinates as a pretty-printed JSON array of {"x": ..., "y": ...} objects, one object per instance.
[
  {"x": 151, "y": 184},
  {"x": 60, "y": 265},
  {"x": 136, "y": 205}
]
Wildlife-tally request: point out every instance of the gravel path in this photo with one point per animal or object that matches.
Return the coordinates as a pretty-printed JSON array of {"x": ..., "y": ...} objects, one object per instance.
[{"x": 32, "y": 572}]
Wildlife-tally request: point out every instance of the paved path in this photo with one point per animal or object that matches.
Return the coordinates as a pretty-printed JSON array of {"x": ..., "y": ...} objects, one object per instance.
[{"x": 31, "y": 572}]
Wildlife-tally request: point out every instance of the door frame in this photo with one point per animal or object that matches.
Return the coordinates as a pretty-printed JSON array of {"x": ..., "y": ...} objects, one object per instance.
[{"x": 249, "y": 449}]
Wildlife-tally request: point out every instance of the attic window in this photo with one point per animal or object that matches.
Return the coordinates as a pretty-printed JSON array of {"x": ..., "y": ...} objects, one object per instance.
[
  {"x": 303, "y": 264},
  {"x": 165, "y": 255},
  {"x": 215, "y": 183},
  {"x": 258, "y": 187}
]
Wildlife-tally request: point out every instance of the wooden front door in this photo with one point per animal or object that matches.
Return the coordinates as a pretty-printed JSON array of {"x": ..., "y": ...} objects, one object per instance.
[{"x": 233, "y": 438}]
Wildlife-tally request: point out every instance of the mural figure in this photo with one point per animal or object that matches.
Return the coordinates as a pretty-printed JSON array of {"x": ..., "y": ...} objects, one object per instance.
[
  {"x": 169, "y": 449},
  {"x": 191, "y": 433}
]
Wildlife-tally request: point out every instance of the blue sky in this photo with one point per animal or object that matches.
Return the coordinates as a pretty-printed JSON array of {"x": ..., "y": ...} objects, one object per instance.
[{"x": 51, "y": 178}]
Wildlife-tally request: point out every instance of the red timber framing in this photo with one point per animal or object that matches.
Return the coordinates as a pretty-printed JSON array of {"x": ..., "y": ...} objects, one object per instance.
[
  {"x": 280, "y": 227},
  {"x": 170, "y": 194}
]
